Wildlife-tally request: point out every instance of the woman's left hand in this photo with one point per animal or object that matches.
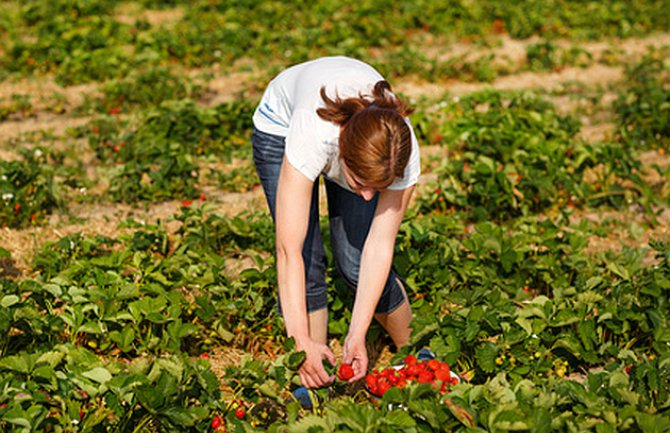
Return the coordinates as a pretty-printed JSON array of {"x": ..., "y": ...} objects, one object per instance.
[{"x": 356, "y": 354}]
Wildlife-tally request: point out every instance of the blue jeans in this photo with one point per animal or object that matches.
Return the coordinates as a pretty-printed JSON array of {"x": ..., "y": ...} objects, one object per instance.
[{"x": 350, "y": 218}]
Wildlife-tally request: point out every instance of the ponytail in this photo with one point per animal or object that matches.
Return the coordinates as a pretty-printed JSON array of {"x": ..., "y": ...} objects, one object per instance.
[
  {"x": 339, "y": 110},
  {"x": 375, "y": 142}
]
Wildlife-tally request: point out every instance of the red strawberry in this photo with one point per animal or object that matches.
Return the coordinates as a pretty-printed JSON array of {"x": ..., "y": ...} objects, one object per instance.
[
  {"x": 410, "y": 359},
  {"x": 442, "y": 375},
  {"x": 412, "y": 370},
  {"x": 433, "y": 364},
  {"x": 217, "y": 423},
  {"x": 345, "y": 372},
  {"x": 425, "y": 377},
  {"x": 371, "y": 381},
  {"x": 240, "y": 412},
  {"x": 382, "y": 386}
]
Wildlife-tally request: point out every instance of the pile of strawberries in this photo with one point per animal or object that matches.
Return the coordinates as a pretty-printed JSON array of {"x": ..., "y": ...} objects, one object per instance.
[{"x": 433, "y": 372}]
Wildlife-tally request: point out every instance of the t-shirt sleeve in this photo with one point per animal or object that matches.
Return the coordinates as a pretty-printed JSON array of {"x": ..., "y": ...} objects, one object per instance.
[
  {"x": 304, "y": 151},
  {"x": 413, "y": 168}
]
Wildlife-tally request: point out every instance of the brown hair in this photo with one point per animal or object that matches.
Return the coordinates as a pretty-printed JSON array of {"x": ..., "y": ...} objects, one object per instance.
[{"x": 375, "y": 140}]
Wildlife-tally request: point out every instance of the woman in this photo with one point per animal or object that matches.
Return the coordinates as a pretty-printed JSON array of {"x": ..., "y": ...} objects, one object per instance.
[{"x": 336, "y": 117}]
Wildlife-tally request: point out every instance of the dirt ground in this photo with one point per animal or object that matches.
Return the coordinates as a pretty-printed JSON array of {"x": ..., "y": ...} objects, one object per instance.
[{"x": 103, "y": 218}]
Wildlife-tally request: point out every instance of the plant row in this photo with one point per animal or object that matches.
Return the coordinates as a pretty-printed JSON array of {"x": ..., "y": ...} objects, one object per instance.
[{"x": 85, "y": 42}]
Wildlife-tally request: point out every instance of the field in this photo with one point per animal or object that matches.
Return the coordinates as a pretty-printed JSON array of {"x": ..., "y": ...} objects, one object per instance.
[{"x": 137, "y": 277}]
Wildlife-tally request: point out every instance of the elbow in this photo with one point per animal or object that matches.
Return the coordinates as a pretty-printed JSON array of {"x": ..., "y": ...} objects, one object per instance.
[{"x": 286, "y": 251}]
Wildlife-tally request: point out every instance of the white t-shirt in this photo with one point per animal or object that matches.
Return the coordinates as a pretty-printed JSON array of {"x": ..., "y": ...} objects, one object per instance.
[{"x": 288, "y": 109}]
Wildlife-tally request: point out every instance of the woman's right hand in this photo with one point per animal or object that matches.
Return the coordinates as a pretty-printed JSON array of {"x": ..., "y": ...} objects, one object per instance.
[{"x": 312, "y": 373}]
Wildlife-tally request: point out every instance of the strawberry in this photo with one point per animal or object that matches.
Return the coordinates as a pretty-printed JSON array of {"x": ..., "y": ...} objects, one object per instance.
[
  {"x": 240, "y": 413},
  {"x": 345, "y": 372},
  {"x": 433, "y": 364},
  {"x": 217, "y": 422},
  {"x": 412, "y": 370},
  {"x": 410, "y": 359},
  {"x": 442, "y": 375},
  {"x": 371, "y": 381},
  {"x": 426, "y": 377},
  {"x": 382, "y": 386}
]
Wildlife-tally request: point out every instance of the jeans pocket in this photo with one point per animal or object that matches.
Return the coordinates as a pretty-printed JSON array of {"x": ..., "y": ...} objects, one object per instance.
[{"x": 267, "y": 148}]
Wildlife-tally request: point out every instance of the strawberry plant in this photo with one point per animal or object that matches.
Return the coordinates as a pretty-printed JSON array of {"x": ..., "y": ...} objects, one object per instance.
[
  {"x": 512, "y": 157},
  {"x": 77, "y": 51},
  {"x": 157, "y": 156},
  {"x": 643, "y": 108},
  {"x": 27, "y": 190},
  {"x": 237, "y": 179},
  {"x": 144, "y": 87},
  {"x": 16, "y": 104},
  {"x": 547, "y": 56}
]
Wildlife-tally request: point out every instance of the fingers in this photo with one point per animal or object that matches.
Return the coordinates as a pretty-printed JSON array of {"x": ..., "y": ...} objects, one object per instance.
[
  {"x": 330, "y": 356},
  {"x": 347, "y": 357},
  {"x": 312, "y": 373},
  {"x": 313, "y": 378},
  {"x": 360, "y": 367}
]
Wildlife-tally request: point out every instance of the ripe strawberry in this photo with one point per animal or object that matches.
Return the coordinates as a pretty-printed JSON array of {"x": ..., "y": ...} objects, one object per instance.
[
  {"x": 382, "y": 386},
  {"x": 425, "y": 377},
  {"x": 410, "y": 359},
  {"x": 412, "y": 370},
  {"x": 371, "y": 381},
  {"x": 217, "y": 422},
  {"x": 345, "y": 372},
  {"x": 442, "y": 375},
  {"x": 240, "y": 413},
  {"x": 433, "y": 364}
]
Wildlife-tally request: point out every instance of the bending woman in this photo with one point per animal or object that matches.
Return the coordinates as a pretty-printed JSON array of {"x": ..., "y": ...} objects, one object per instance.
[{"x": 336, "y": 117}]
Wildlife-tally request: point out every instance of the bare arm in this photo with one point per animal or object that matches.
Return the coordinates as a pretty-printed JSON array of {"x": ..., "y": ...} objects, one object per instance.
[
  {"x": 376, "y": 260},
  {"x": 294, "y": 194}
]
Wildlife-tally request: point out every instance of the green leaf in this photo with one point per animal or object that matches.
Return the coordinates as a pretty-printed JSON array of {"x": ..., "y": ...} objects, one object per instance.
[
  {"x": 653, "y": 423},
  {"x": 295, "y": 360},
  {"x": 486, "y": 357},
  {"x": 15, "y": 363},
  {"x": 98, "y": 374},
  {"x": 9, "y": 300},
  {"x": 52, "y": 358},
  {"x": 185, "y": 416},
  {"x": 310, "y": 424},
  {"x": 541, "y": 421},
  {"x": 399, "y": 419}
]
